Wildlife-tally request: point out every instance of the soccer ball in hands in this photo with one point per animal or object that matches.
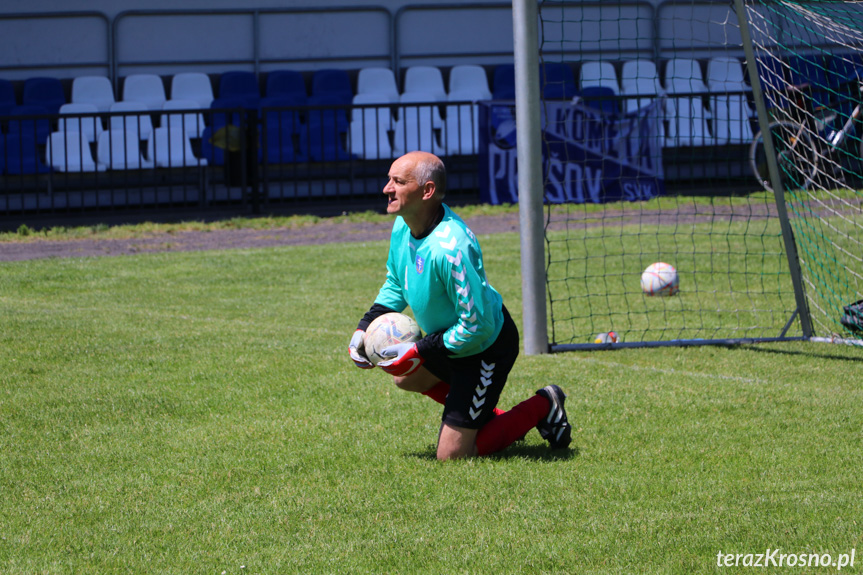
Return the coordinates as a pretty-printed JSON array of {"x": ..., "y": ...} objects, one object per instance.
[
  {"x": 660, "y": 279},
  {"x": 389, "y": 329}
]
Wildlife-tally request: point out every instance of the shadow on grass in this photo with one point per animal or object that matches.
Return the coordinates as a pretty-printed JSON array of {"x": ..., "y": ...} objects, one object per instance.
[
  {"x": 518, "y": 450},
  {"x": 826, "y": 355}
]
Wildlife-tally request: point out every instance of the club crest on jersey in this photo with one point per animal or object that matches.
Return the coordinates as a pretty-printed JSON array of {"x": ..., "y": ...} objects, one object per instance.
[{"x": 420, "y": 264}]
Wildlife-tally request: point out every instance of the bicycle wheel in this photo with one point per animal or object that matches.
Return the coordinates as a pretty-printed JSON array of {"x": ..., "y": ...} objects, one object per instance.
[{"x": 795, "y": 154}]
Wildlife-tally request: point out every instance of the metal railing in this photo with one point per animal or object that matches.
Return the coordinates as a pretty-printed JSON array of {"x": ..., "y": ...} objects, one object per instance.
[{"x": 236, "y": 158}]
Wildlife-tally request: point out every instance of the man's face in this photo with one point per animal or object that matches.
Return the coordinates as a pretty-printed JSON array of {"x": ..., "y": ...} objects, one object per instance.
[{"x": 404, "y": 193}]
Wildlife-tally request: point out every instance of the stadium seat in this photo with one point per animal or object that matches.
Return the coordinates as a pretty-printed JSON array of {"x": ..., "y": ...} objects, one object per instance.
[
  {"x": 467, "y": 83},
  {"x": 95, "y": 90},
  {"x": 728, "y": 102},
  {"x": 26, "y": 135},
  {"x": 45, "y": 92},
  {"x": 639, "y": 78},
  {"x": 169, "y": 147},
  {"x": 2, "y": 153},
  {"x": 238, "y": 84},
  {"x": 725, "y": 74},
  {"x": 333, "y": 84},
  {"x": 598, "y": 73},
  {"x": 22, "y": 155},
  {"x": 328, "y": 126},
  {"x": 283, "y": 134},
  {"x": 418, "y": 125},
  {"x": 69, "y": 151},
  {"x": 192, "y": 86},
  {"x": 687, "y": 116},
  {"x": 425, "y": 80},
  {"x": 7, "y": 97},
  {"x": 224, "y": 119},
  {"x": 147, "y": 89},
  {"x": 287, "y": 83},
  {"x": 182, "y": 114},
  {"x": 378, "y": 81},
  {"x": 121, "y": 150},
  {"x": 140, "y": 125},
  {"x": 639, "y": 83},
  {"x": 469, "y": 78},
  {"x": 557, "y": 81},
  {"x": 90, "y": 125},
  {"x": 462, "y": 121},
  {"x": 504, "y": 82},
  {"x": 371, "y": 126},
  {"x": 26, "y": 120}
]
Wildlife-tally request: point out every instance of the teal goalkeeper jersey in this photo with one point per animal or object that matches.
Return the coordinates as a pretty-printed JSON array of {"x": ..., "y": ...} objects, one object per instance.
[{"x": 442, "y": 278}]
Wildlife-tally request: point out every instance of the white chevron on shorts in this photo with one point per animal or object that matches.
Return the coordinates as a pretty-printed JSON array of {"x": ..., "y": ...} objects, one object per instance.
[{"x": 485, "y": 381}]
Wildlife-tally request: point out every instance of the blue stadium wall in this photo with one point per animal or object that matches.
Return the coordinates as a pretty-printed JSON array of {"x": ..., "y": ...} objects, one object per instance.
[{"x": 118, "y": 38}]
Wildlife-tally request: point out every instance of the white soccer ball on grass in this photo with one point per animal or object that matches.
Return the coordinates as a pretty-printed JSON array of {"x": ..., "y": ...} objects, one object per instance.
[{"x": 660, "y": 279}]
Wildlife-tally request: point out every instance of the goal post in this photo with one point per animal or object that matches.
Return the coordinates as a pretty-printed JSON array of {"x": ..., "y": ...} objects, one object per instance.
[
  {"x": 647, "y": 125},
  {"x": 526, "y": 56}
]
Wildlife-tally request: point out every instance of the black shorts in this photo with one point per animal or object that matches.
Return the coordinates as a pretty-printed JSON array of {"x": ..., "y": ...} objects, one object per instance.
[{"x": 476, "y": 381}]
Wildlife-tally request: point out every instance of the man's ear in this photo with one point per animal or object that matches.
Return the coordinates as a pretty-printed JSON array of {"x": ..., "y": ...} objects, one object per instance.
[{"x": 429, "y": 190}]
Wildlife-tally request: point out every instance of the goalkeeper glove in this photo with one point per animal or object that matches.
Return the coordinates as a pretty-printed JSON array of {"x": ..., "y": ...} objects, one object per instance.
[
  {"x": 405, "y": 359},
  {"x": 357, "y": 350}
]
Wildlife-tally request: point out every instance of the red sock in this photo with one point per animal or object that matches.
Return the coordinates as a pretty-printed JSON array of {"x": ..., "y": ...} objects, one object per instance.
[
  {"x": 503, "y": 430},
  {"x": 441, "y": 390}
]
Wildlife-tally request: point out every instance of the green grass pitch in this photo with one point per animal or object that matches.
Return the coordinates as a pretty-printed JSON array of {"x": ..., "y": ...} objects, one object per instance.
[{"x": 198, "y": 413}]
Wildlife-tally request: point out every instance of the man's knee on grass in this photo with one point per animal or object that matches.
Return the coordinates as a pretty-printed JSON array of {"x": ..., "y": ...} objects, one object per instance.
[
  {"x": 419, "y": 381},
  {"x": 456, "y": 442}
]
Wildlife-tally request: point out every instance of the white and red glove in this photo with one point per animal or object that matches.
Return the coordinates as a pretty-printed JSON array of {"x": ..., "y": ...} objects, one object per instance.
[
  {"x": 357, "y": 350},
  {"x": 405, "y": 359}
]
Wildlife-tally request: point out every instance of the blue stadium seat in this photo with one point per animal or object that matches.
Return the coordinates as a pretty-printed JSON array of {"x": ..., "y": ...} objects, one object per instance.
[
  {"x": 503, "y": 84},
  {"x": 2, "y": 152},
  {"x": 39, "y": 128},
  {"x": 22, "y": 154},
  {"x": 333, "y": 84},
  {"x": 285, "y": 138},
  {"x": 287, "y": 83},
  {"x": 45, "y": 92},
  {"x": 327, "y": 128},
  {"x": 557, "y": 81},
  {"x": 223, "y": 112},
  {"x": 285, "y": 124},
  {"x": 217, "y": 120},
  {"x": 7, "y": 97},
  {"x": 238, "y": 84}
]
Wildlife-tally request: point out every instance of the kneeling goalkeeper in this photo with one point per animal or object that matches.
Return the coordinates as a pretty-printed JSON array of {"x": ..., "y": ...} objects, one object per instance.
[{"x": 435, "y": 266}]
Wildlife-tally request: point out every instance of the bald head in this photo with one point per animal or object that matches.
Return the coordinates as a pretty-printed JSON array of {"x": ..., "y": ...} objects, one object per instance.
[{"x": 428, "y": 168}]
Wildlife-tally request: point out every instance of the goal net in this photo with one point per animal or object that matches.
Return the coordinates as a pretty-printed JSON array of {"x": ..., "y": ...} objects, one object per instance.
[
  {"x": 648, "y": 122},
  {"x": 809, "y": 57}
]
